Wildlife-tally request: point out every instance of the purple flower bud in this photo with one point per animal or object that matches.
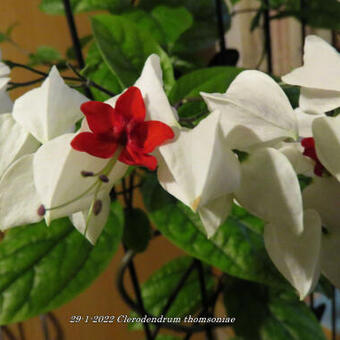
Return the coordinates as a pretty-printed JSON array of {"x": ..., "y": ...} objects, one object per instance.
[
  {"x": 85, "y": 173},
  {"x": 41, "y": 210},
  {"x": 97, "y": 207},
  {"x": 104, "y": 178}
]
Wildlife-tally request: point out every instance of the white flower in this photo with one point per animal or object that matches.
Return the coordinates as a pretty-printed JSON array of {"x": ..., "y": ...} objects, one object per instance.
[
  {"x": 254, "y": 111},
  {"x": 270, "y": 190},
  {"x": 323, "y": 195},
  {"x": 319, "y": 77}
]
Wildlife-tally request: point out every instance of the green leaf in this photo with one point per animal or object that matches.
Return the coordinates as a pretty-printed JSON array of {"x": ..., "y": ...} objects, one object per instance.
[
  {"x": 44, "y": 267},
  {"x": 57, "y": 6},
  {"x": 213, "y": 79},
  {"x": 125, "y": 49},
  {"x": 264, "y": 313},
  {"x": 203, "y": 33},
  {"x": 137, "y": 230},
  {"x": 158, "y": 288},
  {"x": 70, "y": 53},
  {"x": 45, "y": 55},
  {"x": 235, "y": 249},
  {"x": 98, "y": 71},
  {"x": 174, "y": 21},
  {"x": 315, "y": 13},
  {"x": 146, "y": 22}
]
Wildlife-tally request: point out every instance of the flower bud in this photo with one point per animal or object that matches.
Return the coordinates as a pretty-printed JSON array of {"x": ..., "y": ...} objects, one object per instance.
[
  {"x": 97, "y": 207},
  {"x": 41, "y": 210},
  {"x": 104, "y": 178},
  {"x": 85, "y": 173}
]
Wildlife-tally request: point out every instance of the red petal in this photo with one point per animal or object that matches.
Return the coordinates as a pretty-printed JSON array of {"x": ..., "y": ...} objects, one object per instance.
[
  {"x": 131, "y": 157},
  {"x": 98, "y": 115},
  {"x": 87, "y": 142},
  {"x": 150, "y": 134},
  {"x": 131, "y": 104}
]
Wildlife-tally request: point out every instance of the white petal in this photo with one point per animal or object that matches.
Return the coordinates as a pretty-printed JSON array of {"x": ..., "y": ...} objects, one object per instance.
[
  {"x": 323, "y": 195},
  {"x": 6, "y": 103},
  {"x": 321, "y": 69},
  {"x": 305, "y": 121},
  {"x": 214, "y": 213},
  {"x": 151, "y": 85},
  {"x": 301, "y": 164},
  {"x": 270, "y": 189},
  {"x": 297, "y": 257},
  {"x": 255, "y": 102},
  {"x": 201, "y": 166},
  {"x": 19, "y": 201},
  {"x": 96, "y": 223},
  {"x": 58, "y": 179},
  {"x": 318, "y": 101},
  {"x": 14, "y": 141},
  {"x": 50, "y": 110},
  {"x": 326, "y": 131}
]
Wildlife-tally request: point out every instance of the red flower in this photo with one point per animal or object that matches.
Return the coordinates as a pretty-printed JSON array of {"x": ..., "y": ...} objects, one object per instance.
[
  {"x": 122, "y": 126},
  {"x": 309, "y": 145}
]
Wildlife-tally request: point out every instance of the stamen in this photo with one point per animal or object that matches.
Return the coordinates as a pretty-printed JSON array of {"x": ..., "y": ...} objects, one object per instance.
[
  {"x": 97, "y": 207},
  {"x": 85, "y": 173},
  {"x": 41, "y": 210},
  {"x": 104, "y": 178}
]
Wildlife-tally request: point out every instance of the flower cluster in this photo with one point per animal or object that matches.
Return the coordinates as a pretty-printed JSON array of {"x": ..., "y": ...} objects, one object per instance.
[{"x": 48, "y": 171}]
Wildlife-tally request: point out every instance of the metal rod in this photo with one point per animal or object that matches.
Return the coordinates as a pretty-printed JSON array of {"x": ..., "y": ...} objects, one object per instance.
[
  {"x": 44, "y": 327},
  {"x": 21, "y": 331},
  {"x": 220, "y": 24},
  {"x": 267, "y": 37},
  {"x": 132, "y": 304},
  {"x": 75, "y": 39}
]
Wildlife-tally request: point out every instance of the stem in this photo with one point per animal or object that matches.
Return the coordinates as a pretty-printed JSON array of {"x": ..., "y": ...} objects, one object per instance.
[
  {"x": 89, "y": 82},
  {"x": 220, "y": 24},
  {"x": 14, "y": 85},
  {"x": 75, "y": 39},
  {"x": 268, "y": 43},
  {"x": 44, "y": 327}
]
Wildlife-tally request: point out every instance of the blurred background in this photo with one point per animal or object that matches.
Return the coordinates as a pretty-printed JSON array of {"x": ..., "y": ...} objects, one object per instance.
[{"x": 34, "y": 28}]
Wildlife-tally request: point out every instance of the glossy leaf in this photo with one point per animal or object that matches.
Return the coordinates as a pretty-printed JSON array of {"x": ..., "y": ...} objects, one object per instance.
[
  {"x": 264, "y": 313},
  {"x": 125, "y": 48},
  {"x": 173, "y": 21},
  {"x": 160, "y": 285},
  {"x": 44, "y": 267},
  {"x": 235, "y": 248},
  {"x": 99, "y": 72},
  {"x": 45, "y": 55},
  {"x": 213, "y": 79}
]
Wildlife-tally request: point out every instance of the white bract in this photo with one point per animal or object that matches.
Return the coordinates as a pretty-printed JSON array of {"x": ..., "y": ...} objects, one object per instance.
[
  {"x": 254, "y": 111},
  {"x": 197, "y": 167},
  {"x": 323, "y": 195},
  {"x": 319, "y": 77},
  {"x": 38, "y": 116},
  {"x": 270, "y": 190},
  {"x": 326, "y": 133}
]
